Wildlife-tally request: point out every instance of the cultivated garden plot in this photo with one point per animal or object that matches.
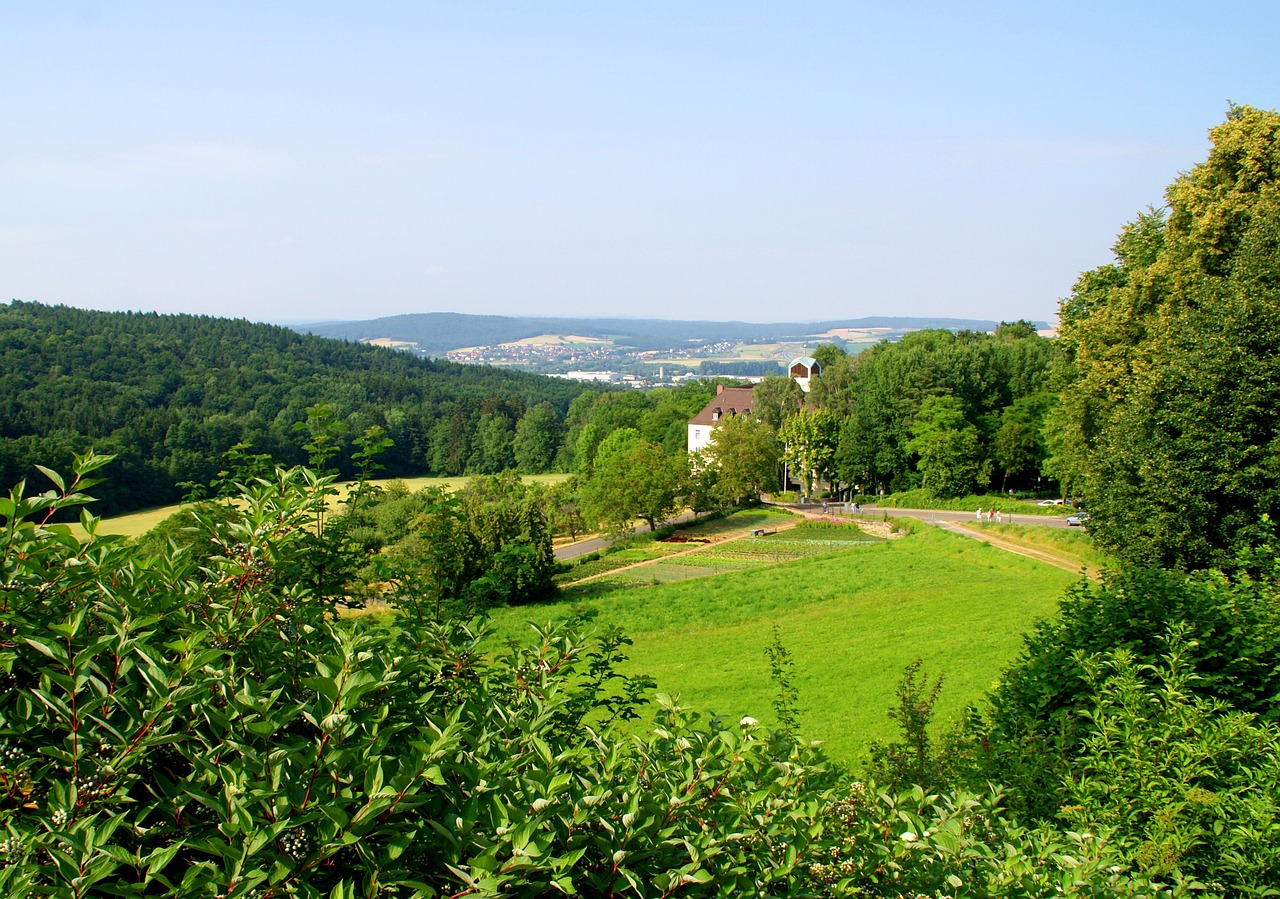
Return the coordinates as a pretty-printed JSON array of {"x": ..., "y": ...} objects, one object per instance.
[{"x": 799, "y": 542}]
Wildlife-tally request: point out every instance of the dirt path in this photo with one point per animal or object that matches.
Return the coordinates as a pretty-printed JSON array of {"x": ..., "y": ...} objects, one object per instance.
[{"x": 1040, "y": 555}]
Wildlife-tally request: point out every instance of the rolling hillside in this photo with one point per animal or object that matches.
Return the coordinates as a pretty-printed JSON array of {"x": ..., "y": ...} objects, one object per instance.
[
  {"x": 171, "y": 393},
  {"x": 435, "y": 333}
]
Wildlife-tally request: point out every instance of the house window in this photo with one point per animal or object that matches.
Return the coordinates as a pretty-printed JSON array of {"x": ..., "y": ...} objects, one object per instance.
[{"x": 697, "y": 433}]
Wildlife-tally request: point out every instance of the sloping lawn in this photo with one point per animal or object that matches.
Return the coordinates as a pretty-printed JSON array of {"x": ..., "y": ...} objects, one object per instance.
[{"x": 851, "y": 621}]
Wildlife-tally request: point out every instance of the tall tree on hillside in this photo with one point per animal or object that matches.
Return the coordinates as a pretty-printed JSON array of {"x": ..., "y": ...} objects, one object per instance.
[
  {"x": 809, "y": 445},
  {"x": 537, "y": 439},
  {"x": 1019, "y": 445},
  {"x": 775, "y": 398},
  {"x": 951, "y": 461},
  {"x": 1173, "y": 381},
  {"x": 632, "y": 479},
  {"x": 493, "y": 450},
  {"x": 744, "y": 453}
]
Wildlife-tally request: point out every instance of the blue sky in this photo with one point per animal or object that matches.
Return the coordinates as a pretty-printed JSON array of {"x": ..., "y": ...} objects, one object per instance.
[{"x": 285, "y": 161}]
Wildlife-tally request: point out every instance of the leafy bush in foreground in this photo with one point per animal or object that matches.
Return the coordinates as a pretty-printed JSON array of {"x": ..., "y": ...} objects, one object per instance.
[
  {"x": 919, "y": 844},
  {"x": 205, "y": 727},
  {"x": 201, "y": 727},
  {"x": 1189, "y": 785},
  {"x": 1041, "y": 712}
]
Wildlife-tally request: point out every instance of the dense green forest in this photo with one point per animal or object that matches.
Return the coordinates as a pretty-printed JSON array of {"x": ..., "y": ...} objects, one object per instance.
[
  {"x": 170, "y": 394},
  {"x": 954, "y": 412}
]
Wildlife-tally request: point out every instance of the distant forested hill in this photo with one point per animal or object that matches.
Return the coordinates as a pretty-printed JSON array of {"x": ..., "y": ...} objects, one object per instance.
[
  {"x": 171, "y": 393},
  {"x": 437, "y": 332}
]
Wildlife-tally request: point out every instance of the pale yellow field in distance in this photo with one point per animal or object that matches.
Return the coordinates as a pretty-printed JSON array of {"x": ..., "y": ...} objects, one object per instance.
[{"x": 136, "y": 524}]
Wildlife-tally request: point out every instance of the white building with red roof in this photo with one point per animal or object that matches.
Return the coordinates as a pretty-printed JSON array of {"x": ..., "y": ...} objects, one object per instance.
[{"x": 727, "y": 401}]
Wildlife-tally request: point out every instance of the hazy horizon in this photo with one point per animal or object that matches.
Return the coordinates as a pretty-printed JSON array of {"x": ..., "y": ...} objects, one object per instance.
[{"x": 717, "y": 162}]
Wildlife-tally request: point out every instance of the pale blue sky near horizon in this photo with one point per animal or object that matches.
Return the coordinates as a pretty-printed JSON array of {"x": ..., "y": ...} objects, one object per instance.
[{"x": 288, "y": 161}]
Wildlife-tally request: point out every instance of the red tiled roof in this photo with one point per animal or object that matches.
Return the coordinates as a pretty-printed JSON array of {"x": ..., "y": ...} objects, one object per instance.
[{"x": 735, "y": 400}]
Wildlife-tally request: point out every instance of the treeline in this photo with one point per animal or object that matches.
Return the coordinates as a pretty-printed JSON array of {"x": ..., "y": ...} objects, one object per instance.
[
  {"x": 1170, "y": 414},
  {"x": 170, "y": 394},
  {"x": 952, "y": 412},
  {"x": 744, "y": 368}
]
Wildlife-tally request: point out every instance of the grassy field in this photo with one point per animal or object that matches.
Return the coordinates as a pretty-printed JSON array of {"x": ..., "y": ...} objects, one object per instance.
[
  {"x": 921, "y": 499},
  {"x": 852, "y": 621},
  {"x": 135, "y": 524},
  {"x": 1073, "y": 543}
]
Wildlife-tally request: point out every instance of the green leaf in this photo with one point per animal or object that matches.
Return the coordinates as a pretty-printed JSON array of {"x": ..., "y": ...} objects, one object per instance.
[{"x": 53, "y": 476}]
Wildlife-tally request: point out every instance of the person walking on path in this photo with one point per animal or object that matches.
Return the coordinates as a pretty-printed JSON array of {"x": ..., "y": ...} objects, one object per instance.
[{"x": 978, "y": 514}]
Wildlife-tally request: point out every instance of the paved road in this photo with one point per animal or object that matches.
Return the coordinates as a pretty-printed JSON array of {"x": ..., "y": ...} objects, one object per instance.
[{"x": 595, "y": 544}]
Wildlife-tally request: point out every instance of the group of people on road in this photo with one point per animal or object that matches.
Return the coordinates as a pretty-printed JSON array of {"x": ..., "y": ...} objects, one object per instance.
[{"x": 993, "y": 514}]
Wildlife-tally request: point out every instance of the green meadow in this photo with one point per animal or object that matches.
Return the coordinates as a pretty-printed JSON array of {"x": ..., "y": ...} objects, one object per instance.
[
  {"x": 136, "y": 524},
  {"x": 852, "y": 620},
  {"x": 1072, "y": 544}
]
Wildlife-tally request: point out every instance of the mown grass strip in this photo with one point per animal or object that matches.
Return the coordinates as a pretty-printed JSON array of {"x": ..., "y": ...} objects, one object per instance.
[{"x": 1074, "y": 544}]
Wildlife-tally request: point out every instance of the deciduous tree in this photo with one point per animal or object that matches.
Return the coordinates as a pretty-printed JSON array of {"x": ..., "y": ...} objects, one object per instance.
[
  {"x": 809, "y": 445},
  {"x": 537, "y": 439},
  {"x": 745, "y": 454},
  {"x": 950, "y": 461},
  {"x": 632, "y": 479},
  {"x": 1173, "y": 394}
]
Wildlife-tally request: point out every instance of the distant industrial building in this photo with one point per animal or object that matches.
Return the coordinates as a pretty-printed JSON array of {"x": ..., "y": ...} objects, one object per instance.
[{"x": 608, "y": 377}]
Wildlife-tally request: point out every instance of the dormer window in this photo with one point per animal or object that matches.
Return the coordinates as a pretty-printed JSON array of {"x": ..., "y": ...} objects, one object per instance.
[{"x": 715, "y": 414}]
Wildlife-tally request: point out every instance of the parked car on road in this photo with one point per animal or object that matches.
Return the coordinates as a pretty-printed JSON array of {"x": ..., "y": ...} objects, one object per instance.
[
  {"x": 1076, "y": 521},
  {"x": 1049, "y": 502}
]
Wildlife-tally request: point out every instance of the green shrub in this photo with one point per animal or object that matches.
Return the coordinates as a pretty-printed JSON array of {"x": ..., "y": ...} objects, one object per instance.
[
  {"x": 205, "y": 727},
  {"x": 1234, "y": 652},
  {"x": 1190, "y": 787},
  {"x": 915, "y": 843}
]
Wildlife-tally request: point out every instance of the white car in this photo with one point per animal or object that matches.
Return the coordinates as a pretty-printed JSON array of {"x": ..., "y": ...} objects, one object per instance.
[{"x": 1049, "y": 502}]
